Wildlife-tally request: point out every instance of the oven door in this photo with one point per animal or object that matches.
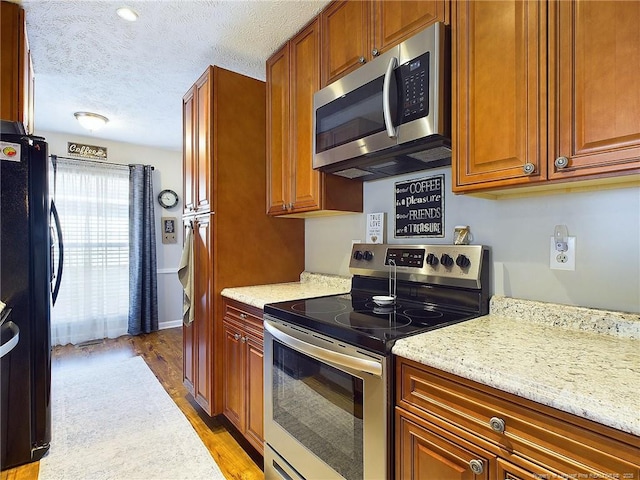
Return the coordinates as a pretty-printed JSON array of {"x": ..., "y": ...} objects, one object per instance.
[{"x": 326, "y": 413}]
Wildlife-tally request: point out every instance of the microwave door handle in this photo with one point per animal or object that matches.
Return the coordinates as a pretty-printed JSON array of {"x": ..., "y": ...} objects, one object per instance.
[{"x": 392, "y": 131}]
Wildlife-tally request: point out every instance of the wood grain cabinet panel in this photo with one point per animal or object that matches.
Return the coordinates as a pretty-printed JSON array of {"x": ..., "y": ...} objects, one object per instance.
[
  {"x": 243, "y": 370},
  {"x": 354, "y": 32},
  {"x": 596, "y": 60},
  {"x": 225, "y": 183},
  {"x": 529, "y": 440},
  {"x": 545, "y": 93},
  {"x": 294, "y": 188},
  {"x": 16, "y": 69},
  {"x": 498, "y": 100}
]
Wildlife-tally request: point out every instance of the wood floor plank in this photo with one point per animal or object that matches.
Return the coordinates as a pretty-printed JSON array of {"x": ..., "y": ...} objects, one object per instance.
[{"x": 162, "y": 351}]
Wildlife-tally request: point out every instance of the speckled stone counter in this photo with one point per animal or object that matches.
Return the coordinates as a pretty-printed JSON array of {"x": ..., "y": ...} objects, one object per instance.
[
  {"x": 310, "y": 285},
  {"x": 578, "y": 360}
]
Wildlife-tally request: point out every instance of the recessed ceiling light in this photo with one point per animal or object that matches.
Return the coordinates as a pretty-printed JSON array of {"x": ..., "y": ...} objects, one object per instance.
[
  {"x": 91, "y": 121},
  {"x": 127, "y": 13}
]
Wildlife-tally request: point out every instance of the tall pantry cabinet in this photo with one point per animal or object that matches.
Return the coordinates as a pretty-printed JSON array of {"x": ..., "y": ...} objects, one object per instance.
[{"x": 234, "y": 242}]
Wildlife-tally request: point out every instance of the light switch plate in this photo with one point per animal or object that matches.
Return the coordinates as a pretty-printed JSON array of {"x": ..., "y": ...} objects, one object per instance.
[{"x": 562, "y": 260}]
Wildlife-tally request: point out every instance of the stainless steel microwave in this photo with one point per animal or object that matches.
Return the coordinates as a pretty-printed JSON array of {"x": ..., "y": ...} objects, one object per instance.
[{"x": 390, "y": 116}]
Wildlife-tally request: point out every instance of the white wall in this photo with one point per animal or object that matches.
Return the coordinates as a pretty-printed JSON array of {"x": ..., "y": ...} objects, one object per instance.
[
  {"x": 167, "y": 174},
  {"x": 606, "y": 225}
]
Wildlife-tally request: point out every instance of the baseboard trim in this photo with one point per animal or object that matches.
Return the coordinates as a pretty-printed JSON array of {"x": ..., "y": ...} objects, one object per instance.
[{"x": 169, "y": 324}]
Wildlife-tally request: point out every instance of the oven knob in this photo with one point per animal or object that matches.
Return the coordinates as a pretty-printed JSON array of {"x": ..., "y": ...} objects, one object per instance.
[
  {"x": 367, "y": 255},
  {"x": 463, "y": 261},
  {"x": 446, "y": 260},
  {"x": 432, "y": 260},
  {"x": 357, "y": 255}
]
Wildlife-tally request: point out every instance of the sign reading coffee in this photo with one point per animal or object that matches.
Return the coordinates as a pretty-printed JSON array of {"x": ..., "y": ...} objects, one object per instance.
[
  {"x": 420, "y": 208},
  {"x": 82, "y": 150}
]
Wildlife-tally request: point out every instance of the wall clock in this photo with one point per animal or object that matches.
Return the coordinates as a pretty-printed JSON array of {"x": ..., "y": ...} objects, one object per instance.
[{"x": 168, "y": 198}]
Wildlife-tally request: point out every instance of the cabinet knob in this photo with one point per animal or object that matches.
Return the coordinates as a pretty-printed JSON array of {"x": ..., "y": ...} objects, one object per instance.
[
  {"x": 497, "y": 424},
  {"x": 476, "y": 466},
  {"x": 243, "y": 316},
  {"x": 291, "y": 206},
  {"x": 528, "y": 168},
  {"x": 375, "y": 52},
  {"x": 284, "y": 206},
  {"x": 561, "y": 162},
  {"x": 362, "y": 60},
  {"x": 237, "y": 336},
  {"x": 243, "y": 339}
]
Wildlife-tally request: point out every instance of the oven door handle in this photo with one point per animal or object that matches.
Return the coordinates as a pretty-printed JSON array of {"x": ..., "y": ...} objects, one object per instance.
[{"x": 339, "y": 359}]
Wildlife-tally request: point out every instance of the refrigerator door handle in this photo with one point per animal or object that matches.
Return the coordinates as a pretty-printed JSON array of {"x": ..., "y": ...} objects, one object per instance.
[
  {"x": 58, "y": 276},
  {"x": 5, "y": 348}
]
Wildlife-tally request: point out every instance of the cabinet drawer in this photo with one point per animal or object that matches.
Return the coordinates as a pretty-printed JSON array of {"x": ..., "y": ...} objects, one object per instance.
[
  {"x": 565, "y": 443},
  {"x": 245, "y": 316}
]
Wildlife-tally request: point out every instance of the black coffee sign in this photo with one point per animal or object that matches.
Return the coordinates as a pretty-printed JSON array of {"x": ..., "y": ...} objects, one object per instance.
[{"x": 420, "y": 208}]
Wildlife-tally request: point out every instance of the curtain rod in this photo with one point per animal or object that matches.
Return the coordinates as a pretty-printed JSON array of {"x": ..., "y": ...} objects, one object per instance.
[{"x": 55, "y": 157}]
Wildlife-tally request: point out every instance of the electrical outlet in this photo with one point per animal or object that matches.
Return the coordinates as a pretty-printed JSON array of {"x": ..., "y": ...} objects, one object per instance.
[{"x": 563, "y": 260}]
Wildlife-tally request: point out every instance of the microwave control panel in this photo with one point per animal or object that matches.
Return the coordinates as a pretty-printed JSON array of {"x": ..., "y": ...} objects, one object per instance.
[{"x": 414, "y": 88}]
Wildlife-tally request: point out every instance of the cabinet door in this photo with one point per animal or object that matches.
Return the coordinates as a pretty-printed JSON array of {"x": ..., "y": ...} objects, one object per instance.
[
  {"x": 346, "y": 38},
  {"x": 596, "y": 85},
  {"x": 233, "y": 378},
  {"x": 395, "y": 21},
  {"x": 188, "y": 150},
  {"x": 304, "y": 82},
  {"x": 203, "y": 142},
  {"x": 421, "y": 453},
  {"x": 203, "y": 315},
  {"x": 278, "y": 171},
  {"x": 499, "y": 93},
  {"x": 529, "y": 471},
  {"x": 254, "y": 389}
]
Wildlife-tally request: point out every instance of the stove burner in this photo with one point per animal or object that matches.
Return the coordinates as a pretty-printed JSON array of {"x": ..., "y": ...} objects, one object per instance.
[
  {"x": 366, "y": 321},
  {"x": 423, "y": 314},
  {"x": 319, "y": 306}
]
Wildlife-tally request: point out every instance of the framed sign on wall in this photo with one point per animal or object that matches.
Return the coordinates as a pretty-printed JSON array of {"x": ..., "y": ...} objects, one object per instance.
[{"x": 419, "y": 208}]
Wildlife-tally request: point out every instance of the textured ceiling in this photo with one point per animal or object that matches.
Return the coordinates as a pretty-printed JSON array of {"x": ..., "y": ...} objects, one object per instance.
[{"x": 86, "y": 58}]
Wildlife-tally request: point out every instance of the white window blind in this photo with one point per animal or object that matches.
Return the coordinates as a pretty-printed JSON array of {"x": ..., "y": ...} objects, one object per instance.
[{"x": 92, "y": 200}]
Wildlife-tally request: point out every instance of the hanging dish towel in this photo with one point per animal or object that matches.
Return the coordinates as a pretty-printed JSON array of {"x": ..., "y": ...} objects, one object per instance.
[{"x": 185, "y": 275}]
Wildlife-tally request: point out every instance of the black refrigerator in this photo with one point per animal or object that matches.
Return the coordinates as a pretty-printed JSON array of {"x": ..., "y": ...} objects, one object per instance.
[{"x": 26, "y": 248}]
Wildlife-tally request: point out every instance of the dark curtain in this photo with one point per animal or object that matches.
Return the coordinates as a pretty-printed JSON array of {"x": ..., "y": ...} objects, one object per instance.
[{"x": 143, "y": 290}]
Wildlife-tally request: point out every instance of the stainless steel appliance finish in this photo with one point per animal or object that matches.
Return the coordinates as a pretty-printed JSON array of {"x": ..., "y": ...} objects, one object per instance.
[
  {"x": 327, "y": 360},
  {"x": 315, "y": 395},
  {"x": 388, "y": 117}
]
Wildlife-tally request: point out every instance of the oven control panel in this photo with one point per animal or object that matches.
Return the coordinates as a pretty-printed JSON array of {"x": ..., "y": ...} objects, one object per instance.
[
  {"x": 457, "y": 265},
  {"x": 405, "y": 257}
]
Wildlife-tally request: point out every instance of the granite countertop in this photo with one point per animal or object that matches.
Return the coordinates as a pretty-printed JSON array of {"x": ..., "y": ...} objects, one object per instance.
[
  {"x": 578, "y": 360},
  {"x": 310, "y": 285}
]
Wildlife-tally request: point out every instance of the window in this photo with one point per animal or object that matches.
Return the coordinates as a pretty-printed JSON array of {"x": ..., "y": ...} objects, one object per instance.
[{"x": 92, "y": 200}]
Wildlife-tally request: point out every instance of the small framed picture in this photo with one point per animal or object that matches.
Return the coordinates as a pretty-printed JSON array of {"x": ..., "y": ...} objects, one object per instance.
[{"x": 169, "y": 225}]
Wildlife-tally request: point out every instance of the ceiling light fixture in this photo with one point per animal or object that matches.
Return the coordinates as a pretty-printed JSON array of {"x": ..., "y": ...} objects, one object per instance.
[
  {"x": 91, "y": 121},
  {"x": 127, "y": 13}
]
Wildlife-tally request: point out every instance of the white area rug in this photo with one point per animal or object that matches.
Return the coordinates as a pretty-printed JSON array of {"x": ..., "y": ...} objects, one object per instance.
[{"x": 116, "y": 422}]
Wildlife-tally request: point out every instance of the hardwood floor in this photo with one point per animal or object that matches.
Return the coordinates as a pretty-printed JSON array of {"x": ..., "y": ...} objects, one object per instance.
[{"x": 163, "y": 353}]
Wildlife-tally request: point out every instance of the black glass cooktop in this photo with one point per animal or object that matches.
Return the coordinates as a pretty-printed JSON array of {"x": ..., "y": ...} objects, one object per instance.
[{"x": 355, "y": 319}]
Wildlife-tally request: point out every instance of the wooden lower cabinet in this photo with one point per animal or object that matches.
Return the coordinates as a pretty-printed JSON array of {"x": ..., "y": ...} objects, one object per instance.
[
  {"x": 243, "y": 370},
  {"x": 448, "y": 427}
]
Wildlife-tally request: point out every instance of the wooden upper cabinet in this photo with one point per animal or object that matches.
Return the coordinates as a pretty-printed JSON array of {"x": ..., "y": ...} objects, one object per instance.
[
  {"x": 499, "y": 93},
  {"x": 596, "y": 59},
  {"x": 278, "y": 165},
  {"x": 346, "y": 38},
  {"x": 305, "y": 81},
  {"x": 294, "y": 188},
  {"x": 16, "y": 69},
  {"x": 188, "y": 150},
  {"x": 204, "y": 142},
  {"x": 354, "y": 31},
  {"x": 395, "y": 21}
]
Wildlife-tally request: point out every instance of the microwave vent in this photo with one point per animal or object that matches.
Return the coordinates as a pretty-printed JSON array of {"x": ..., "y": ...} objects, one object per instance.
[
  {"x": 352, "y": 173},
  {"x": 432, "y": 155}
]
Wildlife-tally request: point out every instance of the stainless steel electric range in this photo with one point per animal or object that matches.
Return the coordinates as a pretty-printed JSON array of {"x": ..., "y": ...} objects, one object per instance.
[{"x": 328, "y": 371}]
